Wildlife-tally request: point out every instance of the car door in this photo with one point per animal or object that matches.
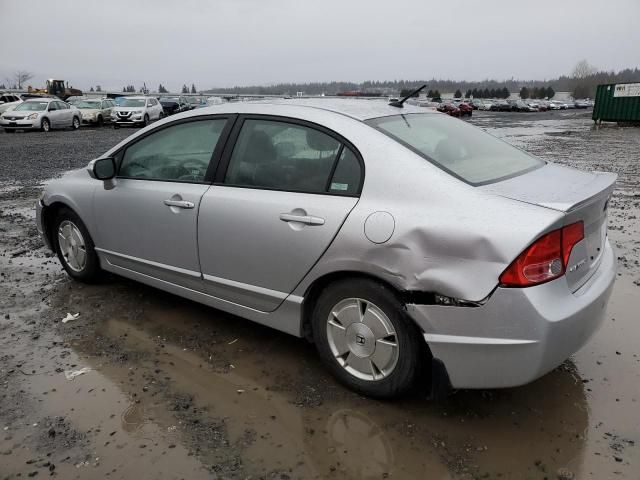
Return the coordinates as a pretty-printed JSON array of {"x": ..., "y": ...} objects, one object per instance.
[
  {"x": 66, "y": 114},
  {"x": 147, "y": 218},
  {"x": 53, "y": 114},
  {"x": 106, "y": 110},
  {"x": 282, "y": 192}
]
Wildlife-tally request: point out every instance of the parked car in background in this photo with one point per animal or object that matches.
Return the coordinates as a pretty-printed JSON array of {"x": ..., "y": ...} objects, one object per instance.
[
  {"x": 578, "y": 104},
  {"x": 196, "y": 102},
  {"x": 449, "y": 108},
  {"x": 137, "y": 110},
  {"x": 95, "y": 111},
  {"x": 480, "y": 104},
  {"x": 524, "y": 107},
  {"x": 9, "y": 102},
  {"x": 501, "y": 106},
  {"x": 41, "y": 114},
  {"x": 174, "y": 104},
  {"x": 296, "y": 216},
  {"x": 465, "y": 109}
]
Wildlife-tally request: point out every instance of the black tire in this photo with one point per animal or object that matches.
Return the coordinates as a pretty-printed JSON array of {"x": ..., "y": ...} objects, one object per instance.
[
  {"x": 411, "y": 358},
  {"x": 90, "y": 272},
  {"x": 146, "y": 120},
  {"x": 100, "y": 121},
  {"x": 45, "y": 126},
  {"x": 9, "y": 130},
  {"x": 116, "y": 126},
  {"x": 75, "y": 123}
]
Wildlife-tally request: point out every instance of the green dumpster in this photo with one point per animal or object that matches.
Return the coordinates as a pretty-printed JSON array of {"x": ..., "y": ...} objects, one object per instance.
[{"x": 617, "y": 102}]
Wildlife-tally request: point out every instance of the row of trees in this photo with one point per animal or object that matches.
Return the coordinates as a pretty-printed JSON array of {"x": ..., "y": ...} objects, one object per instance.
[
  {"x": 536, "y": 92},
  {"x": 185, "y": 89}
]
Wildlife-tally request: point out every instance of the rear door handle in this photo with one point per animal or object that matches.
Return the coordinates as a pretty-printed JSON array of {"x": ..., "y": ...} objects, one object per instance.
[
  {"x": 179, "y": 203},
  {"x": 306, "y": 219}
]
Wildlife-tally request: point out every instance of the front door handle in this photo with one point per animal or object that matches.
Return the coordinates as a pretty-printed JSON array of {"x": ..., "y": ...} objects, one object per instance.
[
  {"x": 179, "y": 203},
  {"x": 306, "y": 219}
]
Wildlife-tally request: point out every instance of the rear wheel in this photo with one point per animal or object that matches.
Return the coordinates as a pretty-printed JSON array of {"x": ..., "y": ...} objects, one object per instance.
[
  {"x": 45, "y": 126},
  {"x": 364, "y": 337},
  {"x": 74, "y": 247}
]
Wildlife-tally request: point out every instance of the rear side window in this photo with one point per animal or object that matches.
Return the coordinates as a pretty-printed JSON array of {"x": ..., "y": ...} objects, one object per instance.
[
  {"x": 282, "y": 156},
  {"x": 179, "y": 153},
  {"x": 348, "y": 174},
  {"x": 465, "y": 151}
]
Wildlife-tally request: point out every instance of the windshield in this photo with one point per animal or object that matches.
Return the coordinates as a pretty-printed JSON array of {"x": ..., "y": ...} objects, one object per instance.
[
  {"x": 455, "y": 146},
  {"x": 88, "y": 104},
  {"x": 32, "y": 106},
  {"x": 132, "y": 103}
]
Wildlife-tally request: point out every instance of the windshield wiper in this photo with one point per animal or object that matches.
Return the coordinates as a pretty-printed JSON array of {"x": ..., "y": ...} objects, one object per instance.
[{"x": 398, "y": 103}]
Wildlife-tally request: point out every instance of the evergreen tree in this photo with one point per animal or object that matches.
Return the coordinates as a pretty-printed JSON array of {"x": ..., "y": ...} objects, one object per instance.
[
  {"x": 458, "y": 94},
  {"x": 185, "y": 89},
  {"x": 124, "y": 89},
  {"x": 468, "y": 94},
  {"x": 550, "y": 92},
  {"x": 430, "y": 94},
  {"x": 505, "y": 92},
  {"x": 436, "y": 94},
  {"x": 524, "y": 93},
  {"x": 98, "y": 88},
  {"x": 91, "y": 89},
  {"x": 193, "y": 88},
  {"x": 486, "y": 93}
]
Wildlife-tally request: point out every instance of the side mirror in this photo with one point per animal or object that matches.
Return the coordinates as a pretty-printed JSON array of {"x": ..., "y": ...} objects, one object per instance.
[{"x": 104, "y": 168}]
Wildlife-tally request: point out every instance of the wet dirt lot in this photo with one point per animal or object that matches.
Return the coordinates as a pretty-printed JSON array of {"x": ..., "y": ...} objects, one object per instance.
[{"x": 177, "y": 390}]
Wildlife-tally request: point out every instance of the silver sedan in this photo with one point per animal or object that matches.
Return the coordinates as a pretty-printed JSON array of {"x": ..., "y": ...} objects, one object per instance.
[{"x": 407, "y": 245}]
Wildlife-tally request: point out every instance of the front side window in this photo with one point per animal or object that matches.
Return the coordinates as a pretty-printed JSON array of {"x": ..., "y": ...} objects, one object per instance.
[
  {"x": 282, "y": 156},
  {"x": 457, "y": 147},
  {"x": 179, "y": 153},
  {"x": 62, "y": 106}
]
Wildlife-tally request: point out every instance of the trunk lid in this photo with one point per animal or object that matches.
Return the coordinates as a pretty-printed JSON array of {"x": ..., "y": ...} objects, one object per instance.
[{"x": 581, "y": 196}]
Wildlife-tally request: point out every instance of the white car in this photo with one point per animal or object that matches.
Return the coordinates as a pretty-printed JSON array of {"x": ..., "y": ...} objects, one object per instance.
[
  {"x": 8, "y": 102},
  {"x": 41, "y": 114},
  {"x": 95, "y": 111},
  {"x": 136, "y": 111}
]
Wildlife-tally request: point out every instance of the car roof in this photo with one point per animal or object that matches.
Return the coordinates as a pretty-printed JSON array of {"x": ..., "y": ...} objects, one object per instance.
[
  {"x": 358, "y": 109},
  {"x": 43, "y": 99}
]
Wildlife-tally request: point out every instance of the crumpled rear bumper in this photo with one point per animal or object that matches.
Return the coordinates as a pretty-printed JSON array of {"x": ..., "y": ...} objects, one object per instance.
[{"x": 519, "y": 334}]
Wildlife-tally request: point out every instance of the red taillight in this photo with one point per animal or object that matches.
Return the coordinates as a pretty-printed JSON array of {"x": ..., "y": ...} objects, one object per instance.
[{"x": 546, "y": 259}]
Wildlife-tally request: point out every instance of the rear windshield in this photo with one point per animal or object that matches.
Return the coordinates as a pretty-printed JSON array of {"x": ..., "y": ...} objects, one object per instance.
[{"x": 465, "y": 151}]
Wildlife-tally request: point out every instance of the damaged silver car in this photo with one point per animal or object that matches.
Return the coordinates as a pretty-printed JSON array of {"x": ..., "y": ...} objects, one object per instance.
[{"x": 407, "y": 245}]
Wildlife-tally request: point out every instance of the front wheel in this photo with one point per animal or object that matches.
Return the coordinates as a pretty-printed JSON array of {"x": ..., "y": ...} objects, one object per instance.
[
  {"x": 74, "y": 247},
  {"x": 45, "y": 126},
  {"x": 75, "y": 125},
  {"x": 364, "y": 337},
  {"x": 146, "y": 120}
]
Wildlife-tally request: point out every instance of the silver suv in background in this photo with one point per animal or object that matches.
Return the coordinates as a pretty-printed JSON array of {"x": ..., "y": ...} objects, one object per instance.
[{"x": 136, "y": 111}]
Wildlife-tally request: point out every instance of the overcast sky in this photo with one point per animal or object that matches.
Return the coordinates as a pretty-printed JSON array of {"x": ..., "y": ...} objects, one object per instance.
[{"x": 246, "y": 42}]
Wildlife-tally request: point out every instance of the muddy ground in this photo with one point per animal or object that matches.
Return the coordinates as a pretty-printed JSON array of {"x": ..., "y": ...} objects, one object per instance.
[{"x": 177, "y": 390}]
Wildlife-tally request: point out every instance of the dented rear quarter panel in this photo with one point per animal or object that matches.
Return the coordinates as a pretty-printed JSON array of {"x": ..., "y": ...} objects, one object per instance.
[{"x": 449, "y": 238}]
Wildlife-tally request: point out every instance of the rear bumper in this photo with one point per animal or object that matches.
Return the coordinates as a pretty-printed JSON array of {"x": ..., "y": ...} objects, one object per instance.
[{"x": 519, "y": 334}]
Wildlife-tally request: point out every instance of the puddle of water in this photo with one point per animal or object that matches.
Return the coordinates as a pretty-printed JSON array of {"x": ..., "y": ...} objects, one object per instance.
[{"x": 287, "y": 413}]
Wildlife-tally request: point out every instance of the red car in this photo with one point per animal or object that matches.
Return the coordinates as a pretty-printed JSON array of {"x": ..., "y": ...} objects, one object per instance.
[
  {"x": 449, "y": 109},
  {"x": 465, "y": 109}
]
